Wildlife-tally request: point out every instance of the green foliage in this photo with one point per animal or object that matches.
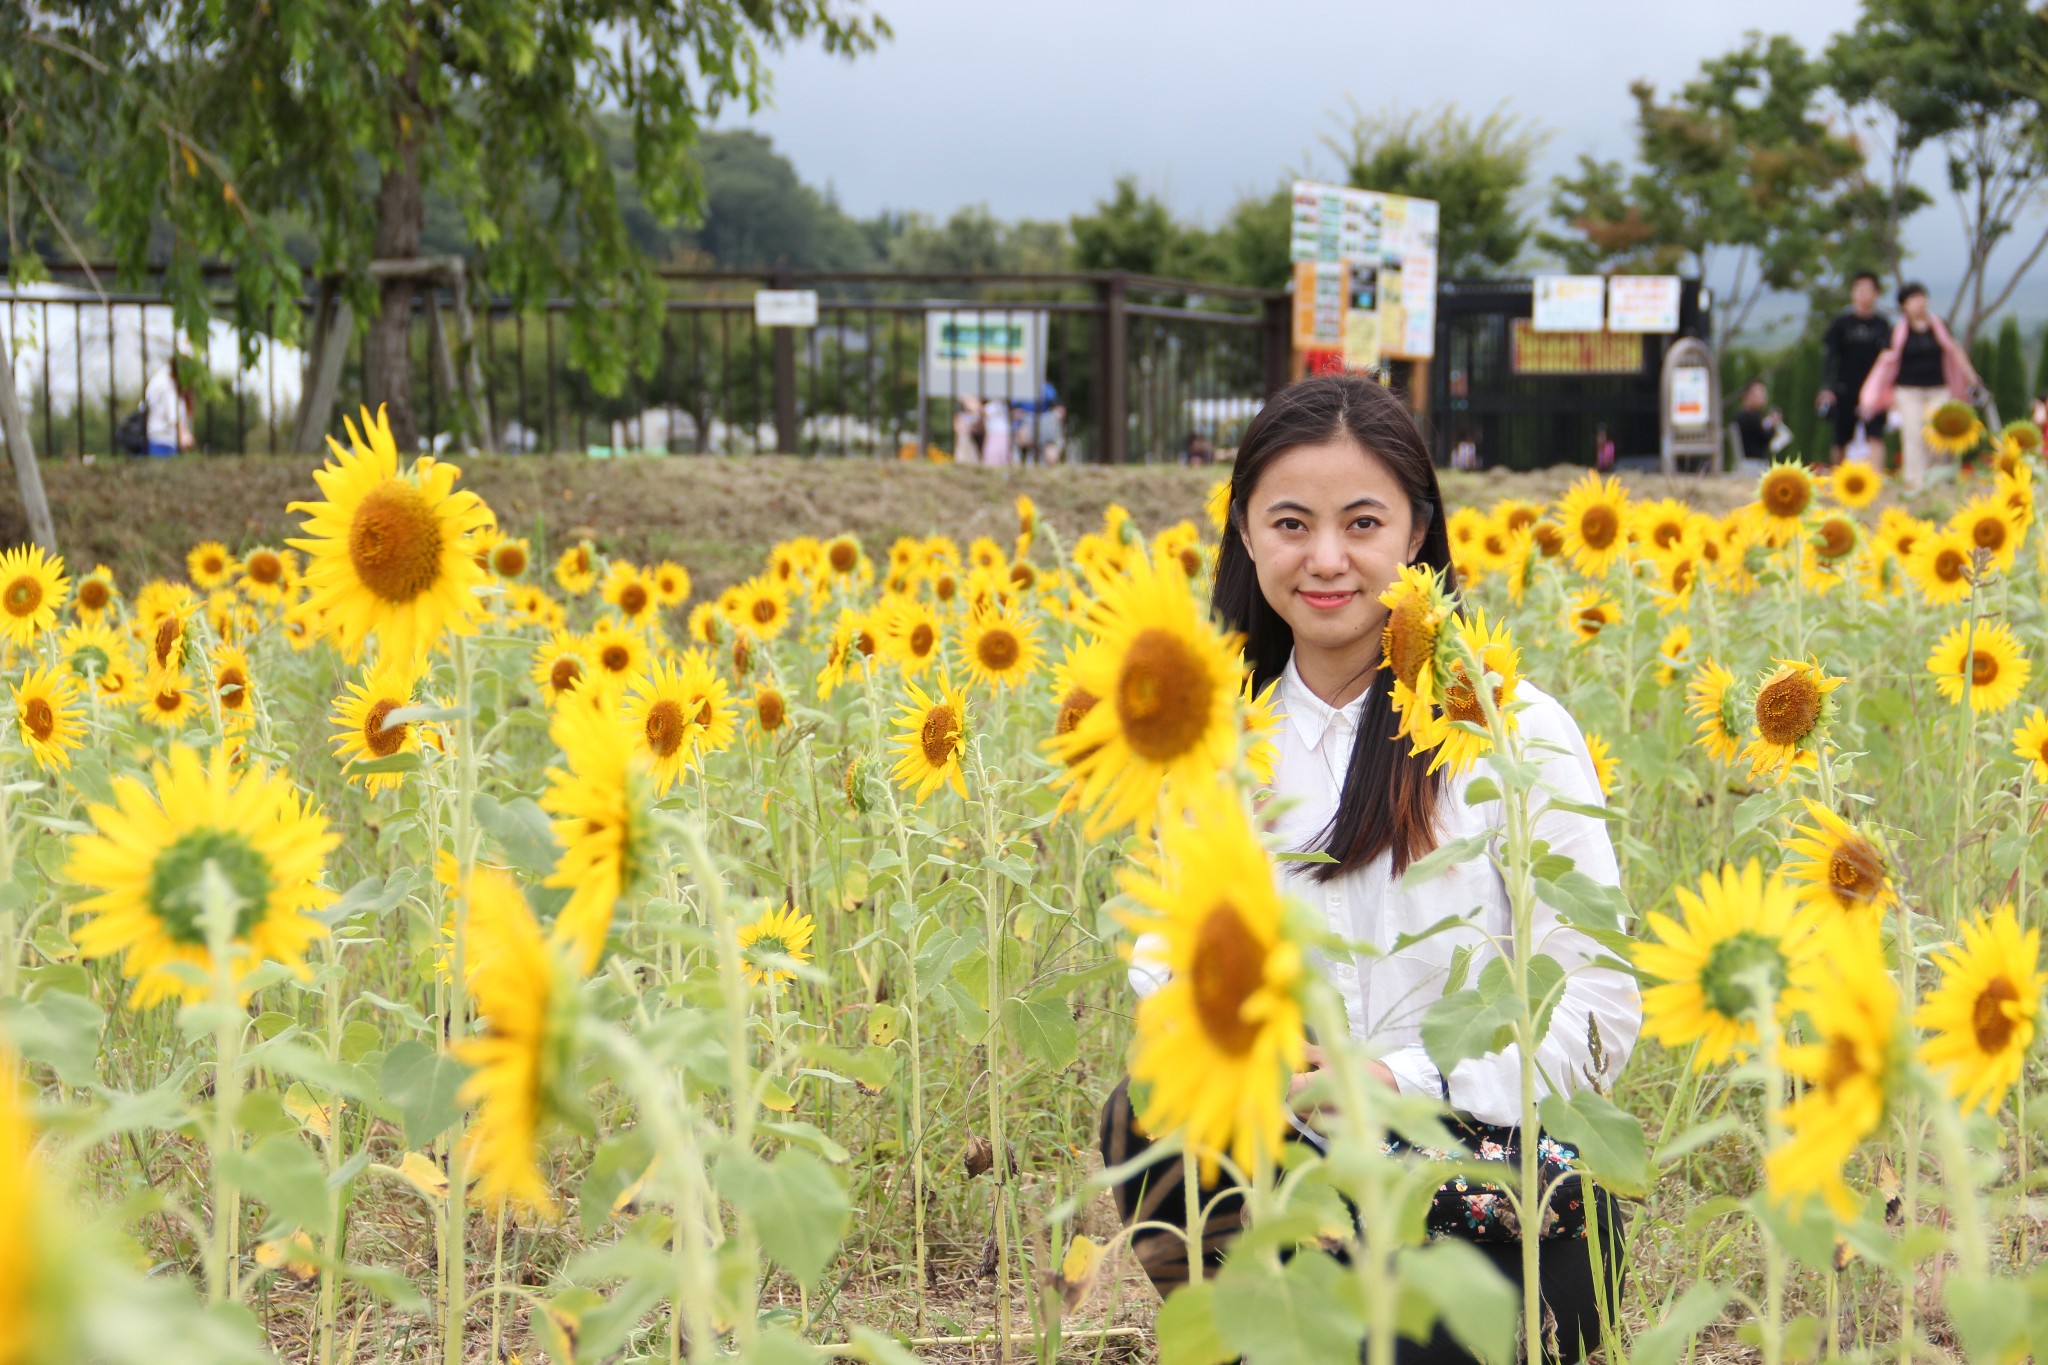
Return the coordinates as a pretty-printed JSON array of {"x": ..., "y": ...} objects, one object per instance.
[
  {"x": 2007, "y": 377},
  {"x": 1475, "y": 169}
]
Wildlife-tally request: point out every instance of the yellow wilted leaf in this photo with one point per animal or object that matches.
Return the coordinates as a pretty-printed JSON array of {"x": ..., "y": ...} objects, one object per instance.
[
  {"x": 885, "y": 1025},
  {"x": 776, "y": 1096},
  {"x": 293, "y": 1255},
  {"x": 630, "y": 1196},
  {"x": 312, "y": 1116},
  {"x": 420, "y": 1172},
  {"x": 1078, "y": 1269},
  {"x": 191, "y": 161}
]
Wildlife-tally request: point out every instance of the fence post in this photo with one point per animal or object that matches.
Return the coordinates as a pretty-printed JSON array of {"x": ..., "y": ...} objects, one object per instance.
[
  {"x": 782, "y": 341},
  {"x": 1277, "y": 339},
  {"x": 27, "y": 476},
  {"x": 1113, "y": 356}
]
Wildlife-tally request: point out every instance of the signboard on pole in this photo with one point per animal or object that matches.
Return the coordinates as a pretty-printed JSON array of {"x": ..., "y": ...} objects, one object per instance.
[
  {"x": 1569, "y": 303},
  {"x": 985, "y": 352},
  {"x": 1534, "y": 352},
  {"x": 785, "y": 308},
  {"x": 1387, "y": 245},
  {"x": 1642, "y": 303}
]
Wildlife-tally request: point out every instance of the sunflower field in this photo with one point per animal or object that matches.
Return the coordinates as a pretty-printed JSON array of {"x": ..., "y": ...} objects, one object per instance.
[{"x": 421, "y": 948}]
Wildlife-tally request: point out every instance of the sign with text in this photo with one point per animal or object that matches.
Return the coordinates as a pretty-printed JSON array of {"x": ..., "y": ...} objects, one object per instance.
[
  {"x": 1689, "y": 396},
  {"x": 1569, "y": 303},
  {"x": 986, "y": 352},
  {"x": 1537, "y": 352},
  {"x": 1386, "y": 247},
  {"x": 785, "y": 308},
  {"x": 1642, "y": 303}
]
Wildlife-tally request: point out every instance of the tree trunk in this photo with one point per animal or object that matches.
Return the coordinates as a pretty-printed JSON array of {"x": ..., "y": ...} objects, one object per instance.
[{"x": 401, "y": 218}]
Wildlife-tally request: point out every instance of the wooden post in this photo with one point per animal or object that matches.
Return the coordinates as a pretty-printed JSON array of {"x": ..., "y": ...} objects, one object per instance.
[
  {"x": 1115, "y": 360},
  {"x": 14, "y": 425},
  {"x": 444, "y": 372},
  {"x": 782, "y": 347},
  {"x": 316, "y": 403},
  {"x": 1277, "y": 340},
  {"x": 475, "y": 409}
]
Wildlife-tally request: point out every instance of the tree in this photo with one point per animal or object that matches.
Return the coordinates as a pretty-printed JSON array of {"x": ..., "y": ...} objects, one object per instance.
[
  {"x": 2007, "y": 376},
  {"x": 1969, "y": 77},
  {"x": 973, "y": 239},
  {"x": 1742, "y": 180},
  {"x": 1476, "y": 171},
  {"x": 1136, "y": 232},
  {"x": 352, "y": 110}
]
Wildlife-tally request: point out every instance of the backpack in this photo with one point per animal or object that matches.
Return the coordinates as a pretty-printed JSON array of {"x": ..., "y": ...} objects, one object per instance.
[{"x": 132, "y": 436}]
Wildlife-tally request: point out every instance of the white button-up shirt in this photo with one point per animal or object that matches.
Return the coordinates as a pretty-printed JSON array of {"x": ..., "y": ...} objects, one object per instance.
[{"x": 1386, "y": 993}]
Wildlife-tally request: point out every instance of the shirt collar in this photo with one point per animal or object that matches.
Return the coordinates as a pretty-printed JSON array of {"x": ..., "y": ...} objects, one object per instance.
[{"x": 1309, "y": 714}]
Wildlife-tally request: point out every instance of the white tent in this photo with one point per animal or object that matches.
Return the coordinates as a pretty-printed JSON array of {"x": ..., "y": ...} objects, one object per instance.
[{"x": 82, "y": 345}]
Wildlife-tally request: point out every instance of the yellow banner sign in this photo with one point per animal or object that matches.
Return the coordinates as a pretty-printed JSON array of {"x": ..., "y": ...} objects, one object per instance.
[{"x": 1574, "y": 352}]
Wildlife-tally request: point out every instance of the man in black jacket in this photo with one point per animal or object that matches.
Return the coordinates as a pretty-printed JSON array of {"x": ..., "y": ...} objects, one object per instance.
[{"x": 1853, "y": 342}]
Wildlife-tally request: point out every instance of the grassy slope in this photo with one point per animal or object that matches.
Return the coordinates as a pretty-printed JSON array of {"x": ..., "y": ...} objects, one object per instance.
[{"x": 718, "y": 516}]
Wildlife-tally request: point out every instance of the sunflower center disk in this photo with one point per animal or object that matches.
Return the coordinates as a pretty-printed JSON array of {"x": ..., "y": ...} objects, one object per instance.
[
  {"x": 1842, "y": 1066},
  {"x": 1411, "y": 639},
  {"x": 615, "y": 658},
  {"x": 998, "y": 651},
  {"x": 264, "y": 569},
  {"x": 1983, "y": 668},
  {"x": 1077, "y": 704},
  {"x": 165, "y": 646},
  {"x": 941, "y": 729},
  {"x": 1989, "y": 1018},
  {"x": 1989, "y": 532},
  {"x": 665, "y": 728},
  {"x": 921, "y": 640},
  {"x": 1786, "y": 709},
  {"x": 1948, "y": 566},
  {"x": 565, "y": 674},
  {"x": 1729, "y": 978},
  {"x": 1855, "y": 873},
  {"x": 510, "y": 561},
  {"x": 843, "y": 558},
  {"x": 23, "y": 596},
  {"x": 1786, "y": 496},
  {"x": 1598, "y": 527},
  {"x": 234, "y": 689},
  {"x": 1229, "y": 967},
  {"x": 764, "y": 610},
  {"x": 378, "y": 738},
  {"x": 92, "y": 595},
  {"x": 394, "y": 542},
  {"x": 39, "y": 718},
  {"x": 1163, "y": 696},
  {"x": 177, "y": 883},
  {"x": 771, "y": 711},
  {"x": 633, "y": 599}
]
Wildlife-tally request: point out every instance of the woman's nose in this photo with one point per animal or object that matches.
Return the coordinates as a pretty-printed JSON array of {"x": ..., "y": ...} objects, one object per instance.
[{"x": 1326, "y": 555}]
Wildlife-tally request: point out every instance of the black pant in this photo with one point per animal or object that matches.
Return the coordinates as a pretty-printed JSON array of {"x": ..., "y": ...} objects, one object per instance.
[{"x": 1158, "y": 1193}]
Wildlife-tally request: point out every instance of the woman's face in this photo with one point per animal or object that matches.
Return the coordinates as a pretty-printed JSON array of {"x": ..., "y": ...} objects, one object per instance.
[
  {"x": 1328, "y": 528},
  {"x": 1915, "y": 307}
]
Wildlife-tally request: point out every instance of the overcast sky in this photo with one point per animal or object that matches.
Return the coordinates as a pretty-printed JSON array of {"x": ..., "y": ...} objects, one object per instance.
[{"x": 1035, "y": 109}]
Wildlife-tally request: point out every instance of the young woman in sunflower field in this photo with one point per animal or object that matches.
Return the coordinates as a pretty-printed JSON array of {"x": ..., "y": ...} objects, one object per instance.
[{"x": 1330, "y": 570}]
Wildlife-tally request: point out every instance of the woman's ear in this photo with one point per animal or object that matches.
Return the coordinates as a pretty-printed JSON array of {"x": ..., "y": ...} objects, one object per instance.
[{"x": 1244, "y": 535}]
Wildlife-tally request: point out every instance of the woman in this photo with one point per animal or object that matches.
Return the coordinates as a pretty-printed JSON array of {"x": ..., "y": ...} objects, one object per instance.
[
  {"x": 1922, "y": 367},
  {"x": 1332, "y": 492}
]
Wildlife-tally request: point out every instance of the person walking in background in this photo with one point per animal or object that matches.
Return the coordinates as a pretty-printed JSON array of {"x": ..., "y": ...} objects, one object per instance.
[
  {"x": 1603, "y": 448},
  {"x": 1851, "y": 345},
  {"x": 167, "y": 411},
  {"x": 1921, "y": 367},
  {"x": 1757, "y": 423},
  {"x": 995, "y": 432},
  {"x": 967, "y": 430}
]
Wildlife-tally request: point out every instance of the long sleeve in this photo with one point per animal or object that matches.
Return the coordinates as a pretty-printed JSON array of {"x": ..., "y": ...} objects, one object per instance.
[{"x": 1490, "y": 1087}]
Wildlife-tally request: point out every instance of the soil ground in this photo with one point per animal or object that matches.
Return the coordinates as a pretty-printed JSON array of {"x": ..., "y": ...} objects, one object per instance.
[{"x": 716, "y": 515}]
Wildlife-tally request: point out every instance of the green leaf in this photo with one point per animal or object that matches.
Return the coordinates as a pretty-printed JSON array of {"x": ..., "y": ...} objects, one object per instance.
[
  {"x": 422, "y": 1083},
  {"x": 809, "y": 1135},
  {"x": 1584, "y": 903},
  {"x": 619, "y": 1161},
  {"x": 1304, "y": 1313},
  {"x": 1681, "y": 1322},
  {"x": 1609, "y": 1139},
  {"x": 797, "y": 1205},
  {"x": 1445, "y": 857},
  {"x": 387, "y": 1284},
  {"x": 866, "y": 1344},
  {"x": 1989, "y": 1317},
  {"x": 1186, "y": 1328},
  {"x": 1044, "y": 1027},
  {"x": 1465, "y": 1025},
  {"x": 283, "y": 1175},
  {"x": 1476, "y": 1304},
  {"x": 58, "y": 1029},
  {"x": 392, "y": 763},
  {"x": 779, "y": 1346},
  {"x": 289, "y": 1057},
  {"x": 1480, "y": 790},
  {"x": 522, "y": 830}
]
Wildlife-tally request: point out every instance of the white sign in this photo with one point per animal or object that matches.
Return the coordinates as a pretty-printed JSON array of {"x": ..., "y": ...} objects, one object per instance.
[
  {"x": 1689, "y": 396},
  {"x": 988, "y": 352},
  {"x": 785, "y": 308},
  {"x": 1388, "y": 243},
  {"x": 1642, "y": 303},
  {"x": 1569, "y": 303}
]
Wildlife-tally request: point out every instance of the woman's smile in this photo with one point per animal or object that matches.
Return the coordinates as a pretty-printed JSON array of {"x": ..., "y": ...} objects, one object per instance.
[{"x": 1326, "y": 600}]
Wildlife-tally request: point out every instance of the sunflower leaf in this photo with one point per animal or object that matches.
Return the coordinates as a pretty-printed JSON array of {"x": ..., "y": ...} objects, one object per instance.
[
  {"x": 422, "y": 1083},
  {"x": 1445, "y": 857},
  {"x": 1609, "y": 1140},
  {"x": 1478, "y": 1306},
  {"x": 1680, "y": 1322},
  {"x": 1186, "y": 1328},
  {"x": 797, "y": 1205},
  {"x": 1043, "y": 1026}
]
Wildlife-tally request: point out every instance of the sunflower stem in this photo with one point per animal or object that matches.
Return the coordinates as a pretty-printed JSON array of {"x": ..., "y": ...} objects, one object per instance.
[
  {"x": 993, "y": 928},
  {"x": 460, "y": 823},
  {"x": 1762, "y": 991},
  {"x": 218, "y": 909}
]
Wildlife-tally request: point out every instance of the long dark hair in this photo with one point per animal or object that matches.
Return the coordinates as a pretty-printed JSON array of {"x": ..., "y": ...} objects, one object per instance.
[{"x": 1390, "y": 797}]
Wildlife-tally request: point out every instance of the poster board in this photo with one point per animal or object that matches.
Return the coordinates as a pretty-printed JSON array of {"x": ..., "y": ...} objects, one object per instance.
[
  {"x": 984, "y": 352},
  {"x": 1534, "y": 352},
  {"x": 1386, "y": 245},
  {"x": 1569, "y": 303},
  {"x": 1642, "y": 303}
]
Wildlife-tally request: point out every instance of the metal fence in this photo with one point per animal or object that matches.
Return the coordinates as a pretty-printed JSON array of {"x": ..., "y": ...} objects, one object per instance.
[{"x": 1137, "y": 365}]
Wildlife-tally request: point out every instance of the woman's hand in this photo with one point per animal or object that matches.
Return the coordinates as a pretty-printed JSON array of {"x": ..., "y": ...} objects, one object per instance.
[{"x": 1377, "y": 1070}]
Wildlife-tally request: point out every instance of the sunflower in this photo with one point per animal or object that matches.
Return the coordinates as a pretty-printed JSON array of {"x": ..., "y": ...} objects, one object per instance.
[
  {"x": 1783, "y": 496},
  {"x": 617, "y": 654},
  {"x": 664, "y": 708},
  {"x": 933, "y": 739},
  {"x": 32, "y": 587},
  {"x": 1855, "y": 485},
  {"x": 559, "y": 664},
  {"x": 93, "y": 651},
  {"x": 1000, "y": 647},
  {"x": 1710, "y": 699},
  {"x": 2018, "y": 441},
  {"x": 1954, "y": 428},
  {"x": 364, "y": 735},
  {"x": 1982, "y": 1014},
  {"x": 1455, "y": 746},
  {"x": 1594, "y": 515},
  {"x": 1997, "y": 671},
  {"x": 520, "y": 1059},
  {"x": 234, "y": 687},
  {"x": 1791, "y": 710},
  {"x": 843, "y": 555},
  {"x": 1217, "y": 1043},
  {"x": 709, "y": 704},
  {"x": 47, "y": 712},
  {"x": 600, "y": 801},
  {"x": 96, "y": 594},
  {"x": 1990, "y": 524},
  {"x": 1417, "y": 607},
  {"x": 630, "y": 591},
  {"x": 167, "y": 700},
  {"x": 843, "y": 658},
  {"x": 707, "y": 625},
  {"x": 209, "y": 565},
  {"x": 780, "y": 933},
  {"x": 1941, "y": 565},
  {"x": 761, "y": 608},
  {"x": 1677, "y": 573},
  {"x": 1674, "y": 653},
  {"x": 1261, "y": 723},
  {"x": 911, "y": 634},
  {"x": 2030, "y": 742},
  {"x": 1074, "y": 701},
  {"x": 267, "y": 575},
  {"x": 1168, "y": 681},
  {"x": 1852, "y": 1010},
  {"x": 1605, "y": 767},
  {"x": 1660, "y": 524},
  {"x": 146, "y": 862},
  {"x": 1738, "y": 925},
  {"x": 1590, "y": 612},
  {"x": 672, "y": 586},
  {"x": 770, "y": 709},
  {"x": 388, "y": 552},
  {"x": 1844, "y": 870}
]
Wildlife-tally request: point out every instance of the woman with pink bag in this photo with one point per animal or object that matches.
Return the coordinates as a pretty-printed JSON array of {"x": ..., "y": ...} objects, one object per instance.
[{"x": 1923, "y": 367}]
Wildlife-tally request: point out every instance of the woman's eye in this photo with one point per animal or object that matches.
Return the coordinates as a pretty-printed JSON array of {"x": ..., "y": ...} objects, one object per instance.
[
  {"x": 1289, "y": 524},
  {"x": 1365, "y": 523}
]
